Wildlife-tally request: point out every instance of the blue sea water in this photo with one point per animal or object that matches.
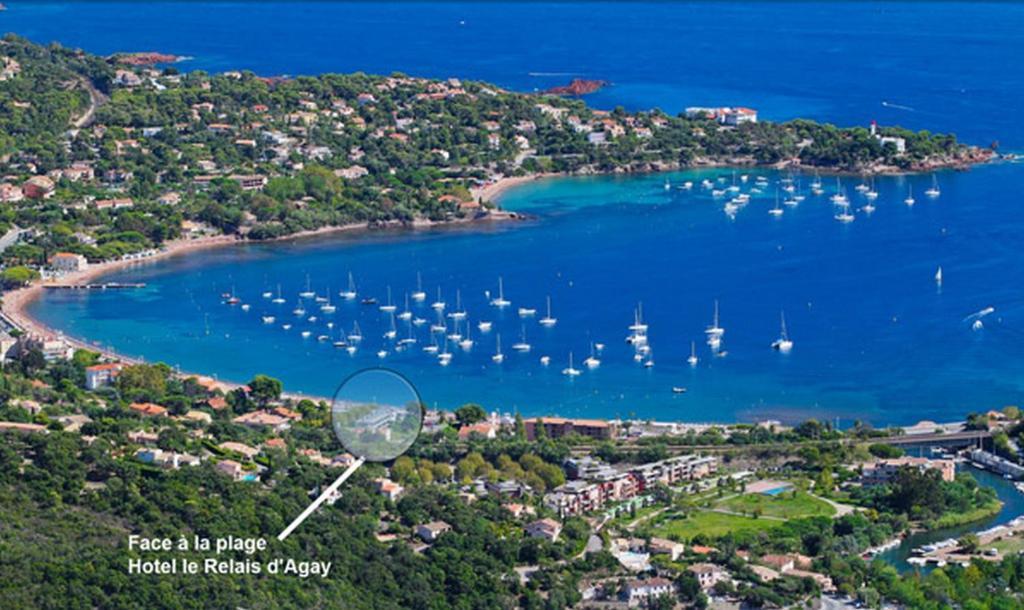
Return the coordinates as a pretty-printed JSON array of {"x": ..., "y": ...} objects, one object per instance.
[{"x": 875, "y": 338}]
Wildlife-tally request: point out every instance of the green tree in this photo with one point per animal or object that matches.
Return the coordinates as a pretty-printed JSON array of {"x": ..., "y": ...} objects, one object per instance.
[
  {"x": 14, "y": 277},
  {"x": 265, "y": 390},
  {"x": 470, "y": 414}
]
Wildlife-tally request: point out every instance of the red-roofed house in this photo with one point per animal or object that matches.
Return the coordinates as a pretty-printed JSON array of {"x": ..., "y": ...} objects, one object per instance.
[
  {"x": 148, "y": 409},
  {"x": 484, "y": 429}
]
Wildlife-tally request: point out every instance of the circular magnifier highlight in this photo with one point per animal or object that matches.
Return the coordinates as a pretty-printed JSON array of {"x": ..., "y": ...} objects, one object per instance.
[{"x": 376, "y": 414}]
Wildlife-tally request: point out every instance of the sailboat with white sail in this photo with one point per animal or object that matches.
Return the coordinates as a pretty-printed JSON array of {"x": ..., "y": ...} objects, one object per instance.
[
  {"x": 715, "y": 331},
  {"x": 419, "y": 296},
  {"x": 522, "y": 346},
  {"x": 500, "y": 301},
  {"x": 308, "y": 292},
  {"x": 548, "y": 320},
  {"x": 498, "y": 357},
  {"x": 388, "y": 306},
  {"x": 783, "y": 344},
  {"x": 592, "y": 362},
  {"x": 406, "y": 314},
  {"x": 571, "y": 371},
  {"x": 349, "y": 294}
]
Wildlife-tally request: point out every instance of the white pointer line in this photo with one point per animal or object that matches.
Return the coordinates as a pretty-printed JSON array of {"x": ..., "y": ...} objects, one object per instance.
[{"x": 323, "y": 497}]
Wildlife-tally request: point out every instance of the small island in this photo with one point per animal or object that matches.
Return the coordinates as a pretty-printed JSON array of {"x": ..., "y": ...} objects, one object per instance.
[{"x": 578, "y": 87}]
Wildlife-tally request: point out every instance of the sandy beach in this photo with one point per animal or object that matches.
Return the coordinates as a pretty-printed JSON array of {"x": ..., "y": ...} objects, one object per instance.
[{"x": 493, "y": 191}]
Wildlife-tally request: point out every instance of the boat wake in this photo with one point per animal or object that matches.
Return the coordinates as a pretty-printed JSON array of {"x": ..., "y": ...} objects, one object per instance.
[{"x": 897, "y": 106}]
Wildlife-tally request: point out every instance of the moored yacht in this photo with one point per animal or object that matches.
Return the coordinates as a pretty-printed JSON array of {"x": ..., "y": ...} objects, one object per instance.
[
  {"x": 692, "y": 360},
  {"x": 439, "y": 304},
  {"x": 548, "y": 320},
  {"x": 498, "y": 357},
  {"x": 500, "y": 301},
  {"x": 356, "y": 335},
  {"x": 522, "y": 345},
  {"x": 910, "y": 196},
  {"x": 783, "y": 344},
  {"x": 570, "y": 371},
  {"x": 388, "y": 306},
  {"x": 308, "y": 292},
  {"x": 419, "y": 296},
  {"x": 350, "y": 293}
]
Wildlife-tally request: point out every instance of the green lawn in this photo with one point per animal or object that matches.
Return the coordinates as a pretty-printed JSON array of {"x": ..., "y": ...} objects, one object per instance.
[
  {"x": 774, "y": 510},
  {"x": 709, "y": 524},
  {"x": 784, "y": 506}
]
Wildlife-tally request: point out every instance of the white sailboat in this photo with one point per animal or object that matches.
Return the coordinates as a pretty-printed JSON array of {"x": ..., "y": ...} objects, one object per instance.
[
  {"x": 638, "y": 324},
  {"x": 432, "y": 348},
  {"x": 498, "y": 357},
  {"x": 308, "y": 292},
  {"x": 419, "y": 296},
  {"x": 459, "y": 313},
  {"x": 545, "y": 360},
  {"x": 500, "y": 301},
  {"x": 299, "y": 309},
  {"x": 910, "y": 196},
  {"x": 570, "y": 371},
  {"x": 839, "y": 198},
  {"x": 439, "y": 304},
  {"x": 392, "y": 332},
  {"x": 527, "y": 312},
  {"x": 350, "y": 294},
  {"x": 845, "y": 216},
  {"x": 445, "y": 357},
  {"x": 783, "y": 344},
  {"x": 406, "y": 314},
  {"x": 484, "y": 326},
  {"x": 356, "y": 335},
  {"x": 934, "y": 191},
  {"x": 548, "y": 320},
  {"x": 692, "y": 360},
  {"x": 776, "y": 211},
  {"x": 328, "y": 307},
  {"x": 268, "y": 319},
  {"x": 467, "y": 342},
  {"x": 592, "y": 362},
  {"x": 522, "y": 345},
  {"x": 388, "y": 306},
  {"x": 278, "y": 300},
  {"x": 938, "y": 276},
  {"x": 715, "y": 331}
]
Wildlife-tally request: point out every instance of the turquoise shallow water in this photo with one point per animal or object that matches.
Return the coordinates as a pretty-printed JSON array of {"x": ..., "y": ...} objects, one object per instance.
[{"x": 875, "y": 337}]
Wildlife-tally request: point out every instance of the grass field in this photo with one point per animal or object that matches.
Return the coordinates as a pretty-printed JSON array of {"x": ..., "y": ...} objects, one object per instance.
[
  {"x": 774, "y": 510},
  {"x": 784, "y": 506},
  {"x": 710, "y": 524}
]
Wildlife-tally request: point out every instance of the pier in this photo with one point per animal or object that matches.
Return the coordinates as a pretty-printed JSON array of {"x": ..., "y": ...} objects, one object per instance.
[{"x": 103, "y": 286}]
